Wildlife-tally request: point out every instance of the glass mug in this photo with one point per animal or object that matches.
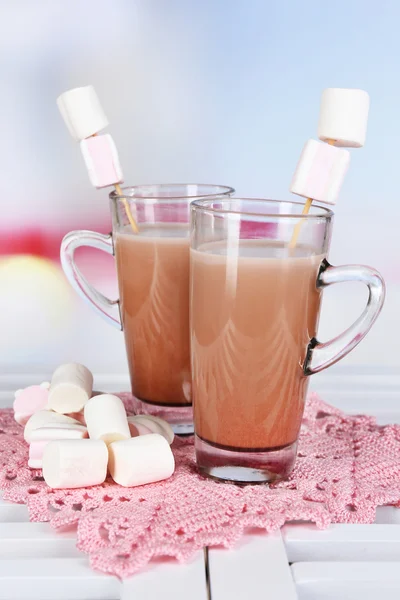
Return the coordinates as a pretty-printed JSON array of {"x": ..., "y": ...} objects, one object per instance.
[
  {"x": 255, "y": 305},
  {"x": 153, "y": 280}
]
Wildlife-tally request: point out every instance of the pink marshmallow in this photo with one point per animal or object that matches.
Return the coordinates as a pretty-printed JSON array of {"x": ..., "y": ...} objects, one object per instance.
[
  {"x": 320, "y": 172},
  {"x": 78, "y": 416},
  {"x": 101, "y": 159},
  {"x": 138, "y": 429},
  {"x": 30, "y": 400},
  {"x": 145, "y": 424},
  {"x": 36, "y": 450}
]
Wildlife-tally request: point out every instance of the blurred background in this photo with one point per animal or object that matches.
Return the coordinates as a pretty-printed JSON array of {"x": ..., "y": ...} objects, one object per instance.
[{"x": 217, "y": 91}]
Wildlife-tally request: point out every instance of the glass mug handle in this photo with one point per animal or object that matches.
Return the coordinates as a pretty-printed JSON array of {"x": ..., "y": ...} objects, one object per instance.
[
  {"x": 323, "y": 355},
  {"x": 106, "y": 308}
]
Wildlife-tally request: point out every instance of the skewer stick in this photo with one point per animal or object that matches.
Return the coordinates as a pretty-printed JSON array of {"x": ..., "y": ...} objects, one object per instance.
[
  {"x": 124, "y": 201},
  {"x": 296, "y": 231},
  {"x": 305, "y": 211}
]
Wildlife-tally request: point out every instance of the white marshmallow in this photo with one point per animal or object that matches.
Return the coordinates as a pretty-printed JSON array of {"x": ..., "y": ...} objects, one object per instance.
[
  {"x": 106, "y": 418},
  {"x": 102, "y": 161},
  {"x": 43, "y": 435},
  {"x": 75, "y": 463},
  {"x": 43, "y": 418},
  {"x": 140, "y": 460},
  {"x": 320, "y": 172},
  {"x": 82, "y": 112},
  {"x": 343, "y": 117},
  {"x": 59, "y": 431},
  {"x": 154, "y": 425},
  {"x": 70, "y": 389}
]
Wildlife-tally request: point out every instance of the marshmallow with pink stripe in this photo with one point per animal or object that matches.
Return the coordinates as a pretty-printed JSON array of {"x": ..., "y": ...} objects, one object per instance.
[
  {"x": 321, "y": 169},
  {"x": 75, "y": 434},
  {"x": 85, "y": 118}
]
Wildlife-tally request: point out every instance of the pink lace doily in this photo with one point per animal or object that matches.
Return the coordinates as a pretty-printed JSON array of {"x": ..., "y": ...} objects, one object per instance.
[{"x": 346, "y": 467}]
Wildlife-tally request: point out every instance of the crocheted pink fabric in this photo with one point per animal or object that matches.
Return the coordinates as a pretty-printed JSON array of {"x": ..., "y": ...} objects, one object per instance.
[{"x": 346, "y": 467}]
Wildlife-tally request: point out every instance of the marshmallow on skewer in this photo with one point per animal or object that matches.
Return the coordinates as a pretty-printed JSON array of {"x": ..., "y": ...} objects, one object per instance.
[
  {"x": 75, "y": 463},
  {"x": 84, "y": 118},
  {"x": 70, "y": 389},
  {"x": 106, "y": 418},
  {"x": 43, "y": 418},
  {"x": 140, "y": 460},
  {"x": 30, "y": 400},
  {"x": 343, "y": 117},
  {"x": 320, "y": 172},
  {"x": 102, "y": 161},
  {"x": 151, "y": 424},
  {"x": 82, "y": 112},
  {"x": 41, "y": 436}
]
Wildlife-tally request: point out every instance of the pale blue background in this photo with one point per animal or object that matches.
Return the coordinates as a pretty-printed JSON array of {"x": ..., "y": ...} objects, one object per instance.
[{"x": 217, "y": 91}]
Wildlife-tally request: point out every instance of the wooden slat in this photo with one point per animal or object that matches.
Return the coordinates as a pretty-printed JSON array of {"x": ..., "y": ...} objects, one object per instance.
[
  {"x": 342, "y": 543},
  {"x": 13, "y": 381},
  {"x": 168, "y": 580},
  {"x": 13, "y": 513},
  {"x": 382, "y": 404},
  {"x": 347, "y": 581},
  {"x": 389, "y": 515},
  {"x": 37, "y": 563},
  {"x": 25, "y": 540},
  {"x": 55, "y": 579},
  {"x": 256, "y": 568},
  {"x": 35, "y": 540}
]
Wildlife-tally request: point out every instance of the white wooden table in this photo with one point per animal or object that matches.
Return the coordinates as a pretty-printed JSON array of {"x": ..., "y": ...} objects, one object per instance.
[{"x": 344, "y": 562}]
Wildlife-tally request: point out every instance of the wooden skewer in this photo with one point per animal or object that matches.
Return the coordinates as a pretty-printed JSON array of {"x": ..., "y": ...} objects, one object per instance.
[
  {"x": 296, "y": 231},
  {"x": 124, "y": 201},
  {"x": 305, "y": 211}
]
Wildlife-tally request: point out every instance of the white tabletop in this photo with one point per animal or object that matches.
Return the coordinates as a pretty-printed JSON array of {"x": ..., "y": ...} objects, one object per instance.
[{"x": 300, "y": 562}]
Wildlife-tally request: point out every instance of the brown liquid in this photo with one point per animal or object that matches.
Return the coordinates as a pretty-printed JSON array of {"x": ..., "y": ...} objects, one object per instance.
[
  {"x": 252, "y": 319},
  {"x": 153, "y": 277}
]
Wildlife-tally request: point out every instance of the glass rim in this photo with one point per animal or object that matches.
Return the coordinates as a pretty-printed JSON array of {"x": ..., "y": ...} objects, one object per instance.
[
  {"x": 205, "y": 205},
  {"x": 131, "y": 191}
]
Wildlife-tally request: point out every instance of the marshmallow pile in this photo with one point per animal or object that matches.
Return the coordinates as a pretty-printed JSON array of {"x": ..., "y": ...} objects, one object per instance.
[
  {"x": 76, "y": 435},
  {"x": 84, "y": 117},
  {"x": 343, "y": 124}
]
